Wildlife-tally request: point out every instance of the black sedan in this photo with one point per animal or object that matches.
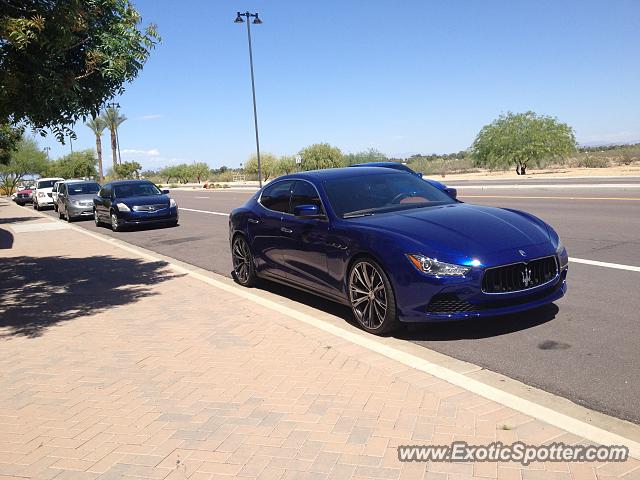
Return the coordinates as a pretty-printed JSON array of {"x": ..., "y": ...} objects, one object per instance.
[{"x": 133, "y": 202}]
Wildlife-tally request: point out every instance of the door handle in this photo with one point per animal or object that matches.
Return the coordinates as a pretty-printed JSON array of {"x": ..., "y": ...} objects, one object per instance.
[
  {"x": 252, "y": 220},
  {"x": 286, "y": 230}
]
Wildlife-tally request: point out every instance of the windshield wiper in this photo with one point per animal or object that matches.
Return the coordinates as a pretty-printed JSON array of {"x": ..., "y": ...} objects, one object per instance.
[{"x": 359, "y": 213}]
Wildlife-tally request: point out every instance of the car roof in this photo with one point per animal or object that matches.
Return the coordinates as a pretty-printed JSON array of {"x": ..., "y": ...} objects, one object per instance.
[
  {"x": 115, "y": 183},
  {"x": 75, "y": 180},
  {"x": 344, "y": 172},
  {"x": 48, "y": 178}
]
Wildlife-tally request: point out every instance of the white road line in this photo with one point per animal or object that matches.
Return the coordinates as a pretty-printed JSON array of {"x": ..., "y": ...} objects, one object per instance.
[
  {"x": 596, "y": 263},
  {"x": 204, "y": 211},
  {"x": 201, "y": 197},
  {"x": 554, "y": 185}
]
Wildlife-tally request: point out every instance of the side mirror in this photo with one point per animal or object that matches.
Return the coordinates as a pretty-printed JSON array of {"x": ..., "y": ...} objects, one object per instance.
[
  {"x": 306, "y": 211},
  {"x": 165, "y": 191},
  {"x": 419, "y": 174},
  {"x": 452, "y": 192}
]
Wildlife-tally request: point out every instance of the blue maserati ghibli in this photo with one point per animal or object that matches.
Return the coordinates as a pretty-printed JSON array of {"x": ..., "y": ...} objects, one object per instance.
[{"x": 395, "y": 248}]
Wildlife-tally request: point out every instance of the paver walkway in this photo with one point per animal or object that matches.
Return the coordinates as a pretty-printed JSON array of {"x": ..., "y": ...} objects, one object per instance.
[{"x": 115, "y": 367}]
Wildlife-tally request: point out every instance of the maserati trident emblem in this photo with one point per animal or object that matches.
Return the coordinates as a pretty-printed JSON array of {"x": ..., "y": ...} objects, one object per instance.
[
  {"x": 522, "y": 252},
  {"x": 526, "y": 276}
]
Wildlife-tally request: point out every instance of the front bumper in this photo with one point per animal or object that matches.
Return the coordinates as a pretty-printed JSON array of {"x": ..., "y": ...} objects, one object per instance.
[
  {"x": 80, "y": 210},
  {"x": 426, "y": 300},
  {"x": 133, "y": 218}
]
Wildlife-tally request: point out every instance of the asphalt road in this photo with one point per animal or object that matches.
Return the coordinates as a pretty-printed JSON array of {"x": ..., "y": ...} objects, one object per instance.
[{"x": 585, "y": 348}]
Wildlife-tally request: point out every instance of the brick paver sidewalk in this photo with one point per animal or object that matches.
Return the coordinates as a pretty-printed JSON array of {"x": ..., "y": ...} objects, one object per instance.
[{"x": 116, "y": 367}]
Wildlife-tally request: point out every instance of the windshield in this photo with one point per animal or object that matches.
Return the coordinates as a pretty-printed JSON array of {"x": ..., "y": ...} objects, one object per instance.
[
  {"x": 370, "y": 194},
  {"x": 142, "y": 189},
  {"x": 82, "y": 188},
  {"x": 46, "y": 183}
]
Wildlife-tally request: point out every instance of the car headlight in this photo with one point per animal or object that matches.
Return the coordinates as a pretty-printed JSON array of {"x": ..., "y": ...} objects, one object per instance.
[
  {"x": 123, "y": 207},
  {"x": 431, "y": 266},
  {"x": 41, "y": 194},
  {"x": 561, "y": 252},
  {"x": 172, "y": 203}
]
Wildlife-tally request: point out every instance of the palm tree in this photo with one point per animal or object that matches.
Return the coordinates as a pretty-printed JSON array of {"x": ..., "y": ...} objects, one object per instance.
[
  {"x": 97, "y": 126},
  {"x": 113, "y": 119}
]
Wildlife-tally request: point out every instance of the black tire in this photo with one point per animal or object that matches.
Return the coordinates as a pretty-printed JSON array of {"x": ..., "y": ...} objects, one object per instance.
[
  {"x": 55, "y": 207},
  {"x": 244, "y": 271},
  {"x": 69, "y": 217},
  {"x": 115, "y": 223},
  {"x": 96, "y": 219},
  {"x": 60, "y": 215},
  {"x": 35, "y": 205},
  {"x": 371, "y": 297}
]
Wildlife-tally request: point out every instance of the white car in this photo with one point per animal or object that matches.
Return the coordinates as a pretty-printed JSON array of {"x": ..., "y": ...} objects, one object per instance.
[
  {"x": 42, "y": 195},
  {"x": 54, "y": 194}
]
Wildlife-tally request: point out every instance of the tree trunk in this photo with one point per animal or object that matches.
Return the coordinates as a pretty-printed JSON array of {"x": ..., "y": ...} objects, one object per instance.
[
  {"x": 99, "y": 152},
  {"x": 517, "y": 169},
  {"x": 114, "y": 148},
  {"x": 523, "y": 169}
]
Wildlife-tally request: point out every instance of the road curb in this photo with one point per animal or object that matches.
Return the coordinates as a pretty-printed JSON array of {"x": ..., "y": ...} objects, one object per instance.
[{"x": 547, "y": 407}]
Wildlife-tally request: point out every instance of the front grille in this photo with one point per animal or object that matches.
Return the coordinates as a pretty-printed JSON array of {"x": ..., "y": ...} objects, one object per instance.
[
  {"x": 50, "y": 194},
  {"x": 448, "y": 303},
  {"x": 149, "y": 208},
  {"x": 520, "y": 276},
  {"x": 23, "y": 195}
]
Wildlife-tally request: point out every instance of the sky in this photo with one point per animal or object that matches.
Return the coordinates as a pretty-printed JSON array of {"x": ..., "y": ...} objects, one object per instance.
[{"x": 402, "y": 77}]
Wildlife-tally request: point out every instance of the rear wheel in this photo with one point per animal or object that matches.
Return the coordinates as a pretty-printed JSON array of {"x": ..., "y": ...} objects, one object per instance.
[
  {"x": 243, "y": 269},
  {"x": 371, "y": 297}
]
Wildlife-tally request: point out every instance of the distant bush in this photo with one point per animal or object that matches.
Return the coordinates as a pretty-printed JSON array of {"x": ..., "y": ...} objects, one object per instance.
[
  {"x": 590, "y": 161},
  {"x": 442, "y": 166}
]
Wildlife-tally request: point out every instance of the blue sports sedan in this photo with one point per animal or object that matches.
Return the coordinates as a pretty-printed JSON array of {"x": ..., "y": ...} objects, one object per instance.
[
  {"x": 395, "y": 248},
  {"x": 133, "y": 202}
]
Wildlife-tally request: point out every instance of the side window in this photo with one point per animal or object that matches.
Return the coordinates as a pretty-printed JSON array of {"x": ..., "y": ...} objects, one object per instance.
[
  {"x": 62, "y": 189},
  {"x": 277, "y": 196},
  {"x": 105, "y": 192},
  {"x": 305, "y": 194}
]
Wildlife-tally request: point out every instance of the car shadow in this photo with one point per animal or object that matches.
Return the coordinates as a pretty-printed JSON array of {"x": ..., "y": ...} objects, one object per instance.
[
  {"x": 39, "y": 292},
  {"x": 6, "y": 239},
  {"x": 18, "y": 219},
  {"x": 474, "y": 328},
  {"x": 477, "y": 328},
  {"x": 137, "y": 228}
]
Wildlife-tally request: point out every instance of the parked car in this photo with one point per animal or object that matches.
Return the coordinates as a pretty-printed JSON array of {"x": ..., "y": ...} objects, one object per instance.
[
  {"x": 54, "y": 194},
  {"x": 395, "y": 248},
  {"x": 75, "y": 199},
  {"x": 452, "y": 192},
  {"x": 134, "y": 202},
  {"x": 24, "y": 195},
  {"x": 42, "y": 195}
]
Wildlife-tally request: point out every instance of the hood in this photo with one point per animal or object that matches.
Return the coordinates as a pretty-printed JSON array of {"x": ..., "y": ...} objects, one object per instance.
[
  {"x": 461, "y": 230},
  {"x": 144, "y": 200}
]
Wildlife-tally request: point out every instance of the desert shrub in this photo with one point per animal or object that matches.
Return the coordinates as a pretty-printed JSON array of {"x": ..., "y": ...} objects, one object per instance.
[{"x": 590, "y": 161}]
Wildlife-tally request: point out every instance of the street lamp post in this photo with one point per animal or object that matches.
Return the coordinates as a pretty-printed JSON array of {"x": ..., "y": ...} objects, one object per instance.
[{"x": 256, "y": 21}]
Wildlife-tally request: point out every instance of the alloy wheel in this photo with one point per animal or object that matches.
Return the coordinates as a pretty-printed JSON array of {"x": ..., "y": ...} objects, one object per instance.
[
  {"x": 368, "y": 295},
  {"x": 115, "y": 226},
  {"x": 242, "y": 261},
  {"x": 96, "y": 219}
]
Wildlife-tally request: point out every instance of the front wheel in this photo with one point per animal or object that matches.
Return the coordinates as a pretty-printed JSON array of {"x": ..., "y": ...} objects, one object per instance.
[
  {"x": 243, "y": 269},
  {"x": 371, "y": 297},
  {"x": 96, "y": 218},
  {"x": 35, "y": 205},
  {"x": 115, "y": 223}
]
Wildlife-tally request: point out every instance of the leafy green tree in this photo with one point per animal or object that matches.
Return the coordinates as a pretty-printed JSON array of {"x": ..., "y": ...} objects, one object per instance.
[
  {"x": 9, "y": 139},
  {"x": 74, "y": 165},
  {"x": 200, "y": 171},
  {"x": 367, "y": 156},
  {"x": 128, "y": 170},
  {"x": 285, "y": 165},
  {"x": 320, "y": 155},
  {"x": 97, "y": 126},
  {"x": 61, "y": 60},
  {"x": 267, "y": 165},
  {"x": 521, "y": 139},
  {"x": 170, "y": 172},
  {"x": 112, "y": 119},
  {"x": 26, "y": 159}
]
